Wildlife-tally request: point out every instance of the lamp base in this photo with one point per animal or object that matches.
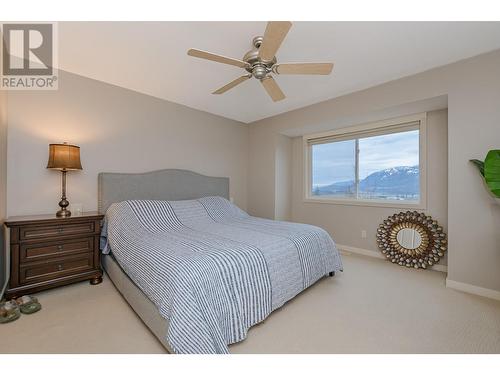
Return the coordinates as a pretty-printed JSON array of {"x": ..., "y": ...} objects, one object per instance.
[
  {"x": 63, "y": 213},
  {"x": 63, "y": 203}
]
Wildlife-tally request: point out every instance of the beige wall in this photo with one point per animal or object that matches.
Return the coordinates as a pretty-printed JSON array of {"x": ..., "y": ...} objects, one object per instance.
[
  {"x": 3, "y": 152},
  {"x": 3, "y": 179},
  {"x": 119, "y": 131},
  {"x": 345, "y": 222},
  {"x": 473, "y": 90},
  {"x": 269, "y": 163}
]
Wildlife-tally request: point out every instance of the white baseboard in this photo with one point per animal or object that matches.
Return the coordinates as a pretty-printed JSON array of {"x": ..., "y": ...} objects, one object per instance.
[
  {"x": 473, "y": 289},
  {"x": 457, "y": 285},
  {"x": 379, "y": 255}
]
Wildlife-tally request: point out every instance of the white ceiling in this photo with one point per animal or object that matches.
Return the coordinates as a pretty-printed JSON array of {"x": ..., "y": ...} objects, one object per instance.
[{"x": 150, "y": 57}]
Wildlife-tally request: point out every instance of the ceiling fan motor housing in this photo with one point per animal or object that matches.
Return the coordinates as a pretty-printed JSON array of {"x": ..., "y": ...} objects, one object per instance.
[{"x": 257, "y": 67}]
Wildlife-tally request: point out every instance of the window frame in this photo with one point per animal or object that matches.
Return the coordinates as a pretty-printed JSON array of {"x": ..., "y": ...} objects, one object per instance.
[{"x": 389, "y": 126}]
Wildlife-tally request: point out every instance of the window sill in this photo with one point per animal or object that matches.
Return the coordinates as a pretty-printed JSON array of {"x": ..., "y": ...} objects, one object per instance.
[{"x": 367, "y": 203}]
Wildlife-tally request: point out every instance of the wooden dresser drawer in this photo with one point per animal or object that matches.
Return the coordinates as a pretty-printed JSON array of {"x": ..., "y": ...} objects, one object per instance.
[
  {"x": 43, "y": 250},
  {"x": 48, "y": 251},
  {"x": 31, "y": 232},
  {"x": 58, "y": 267}
]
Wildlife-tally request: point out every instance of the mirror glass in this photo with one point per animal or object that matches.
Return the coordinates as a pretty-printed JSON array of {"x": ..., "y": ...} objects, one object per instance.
[{"x": 409, "y": 238}]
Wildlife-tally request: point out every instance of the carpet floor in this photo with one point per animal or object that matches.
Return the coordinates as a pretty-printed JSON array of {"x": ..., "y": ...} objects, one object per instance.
[{"x": 372, "y": 307}]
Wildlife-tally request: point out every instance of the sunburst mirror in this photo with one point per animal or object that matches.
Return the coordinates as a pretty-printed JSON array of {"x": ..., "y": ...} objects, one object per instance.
[{"x": 411, "y": 239}]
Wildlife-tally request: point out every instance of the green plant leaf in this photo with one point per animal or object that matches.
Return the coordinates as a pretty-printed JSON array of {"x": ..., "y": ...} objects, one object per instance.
[
  {"x": 495, "y": 188},
  {"x": 479, "y": 164},
  {"x": 496, "y": 193},
  {"x": 492, "y": 171}
]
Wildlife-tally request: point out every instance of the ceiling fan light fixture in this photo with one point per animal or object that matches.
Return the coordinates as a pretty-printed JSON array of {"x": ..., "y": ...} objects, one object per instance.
[{"x": 259, "y": 71}]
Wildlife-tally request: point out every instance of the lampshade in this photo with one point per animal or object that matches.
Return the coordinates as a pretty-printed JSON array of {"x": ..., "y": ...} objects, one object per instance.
[{"x": 63, "y": 156}]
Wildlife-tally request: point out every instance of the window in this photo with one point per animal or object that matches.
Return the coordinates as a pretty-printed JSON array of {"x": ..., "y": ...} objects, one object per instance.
[{"x": 376, "y": 164}]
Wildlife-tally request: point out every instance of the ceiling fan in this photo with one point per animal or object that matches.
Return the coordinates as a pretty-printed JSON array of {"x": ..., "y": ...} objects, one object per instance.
[{"x": 260, "y": 62}]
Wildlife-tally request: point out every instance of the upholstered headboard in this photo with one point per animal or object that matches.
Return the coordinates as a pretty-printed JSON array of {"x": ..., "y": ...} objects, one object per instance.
[{"x": 166, "y": 184}]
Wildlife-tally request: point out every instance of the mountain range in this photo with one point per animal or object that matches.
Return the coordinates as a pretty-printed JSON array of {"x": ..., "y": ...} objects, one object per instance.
[{"x": 396, "y": 182}]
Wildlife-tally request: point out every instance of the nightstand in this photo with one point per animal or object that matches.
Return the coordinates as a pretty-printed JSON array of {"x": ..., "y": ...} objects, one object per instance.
[{"x": 46, "y": 252}]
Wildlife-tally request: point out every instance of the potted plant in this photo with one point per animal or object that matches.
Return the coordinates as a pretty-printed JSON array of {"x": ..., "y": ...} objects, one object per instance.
[{"x": 490, "y": 170}]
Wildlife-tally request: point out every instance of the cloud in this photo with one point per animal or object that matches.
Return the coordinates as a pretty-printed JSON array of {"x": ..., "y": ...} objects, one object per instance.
[{"x": 334, "y": 162}]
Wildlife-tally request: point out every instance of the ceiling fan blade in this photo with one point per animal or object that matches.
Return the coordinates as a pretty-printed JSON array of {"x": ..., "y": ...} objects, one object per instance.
[
  {"x": 272, "y": 89},
  {"x": 216, "y": 58},
  {"x": 273, "y": 37},
  {"x": 305, "y": 68},
  {"x": 231, "y": 84}
]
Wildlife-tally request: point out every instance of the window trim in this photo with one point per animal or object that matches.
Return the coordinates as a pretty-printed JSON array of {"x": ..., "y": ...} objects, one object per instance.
[{"x": 389, "y": 126}]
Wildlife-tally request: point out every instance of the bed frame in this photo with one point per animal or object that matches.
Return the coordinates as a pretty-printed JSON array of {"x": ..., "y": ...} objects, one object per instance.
[{"x": 166, "y": 184}]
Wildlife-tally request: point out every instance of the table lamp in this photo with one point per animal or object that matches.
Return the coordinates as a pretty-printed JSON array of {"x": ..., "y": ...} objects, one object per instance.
[{"x": 64, "y": 157}]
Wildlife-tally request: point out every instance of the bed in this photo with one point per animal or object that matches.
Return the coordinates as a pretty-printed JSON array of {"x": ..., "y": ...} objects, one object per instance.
[{"x": 198, "y": 270}]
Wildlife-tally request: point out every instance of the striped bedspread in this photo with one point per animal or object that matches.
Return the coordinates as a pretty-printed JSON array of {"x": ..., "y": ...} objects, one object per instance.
[{"x": 211, "y": 269}]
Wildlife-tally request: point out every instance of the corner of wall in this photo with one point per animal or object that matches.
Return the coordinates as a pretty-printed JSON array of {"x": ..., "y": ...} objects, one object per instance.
[
  {"x": 3, "y": 182},
  {"x": 269, "y": 173},
  {"x": 283, "y": 177},
  {"x": 261, "y": 172}
]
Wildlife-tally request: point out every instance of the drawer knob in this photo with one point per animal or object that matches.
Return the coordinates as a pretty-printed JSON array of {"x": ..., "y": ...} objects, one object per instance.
[
  {"x": 60, "y": 247},
  {"x": 60, "y": 230},
  {"x": 59, "y": 267}
]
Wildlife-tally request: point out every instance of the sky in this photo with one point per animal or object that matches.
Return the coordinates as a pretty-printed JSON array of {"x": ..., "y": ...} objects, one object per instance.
[{"x": 334, "y": 162}]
